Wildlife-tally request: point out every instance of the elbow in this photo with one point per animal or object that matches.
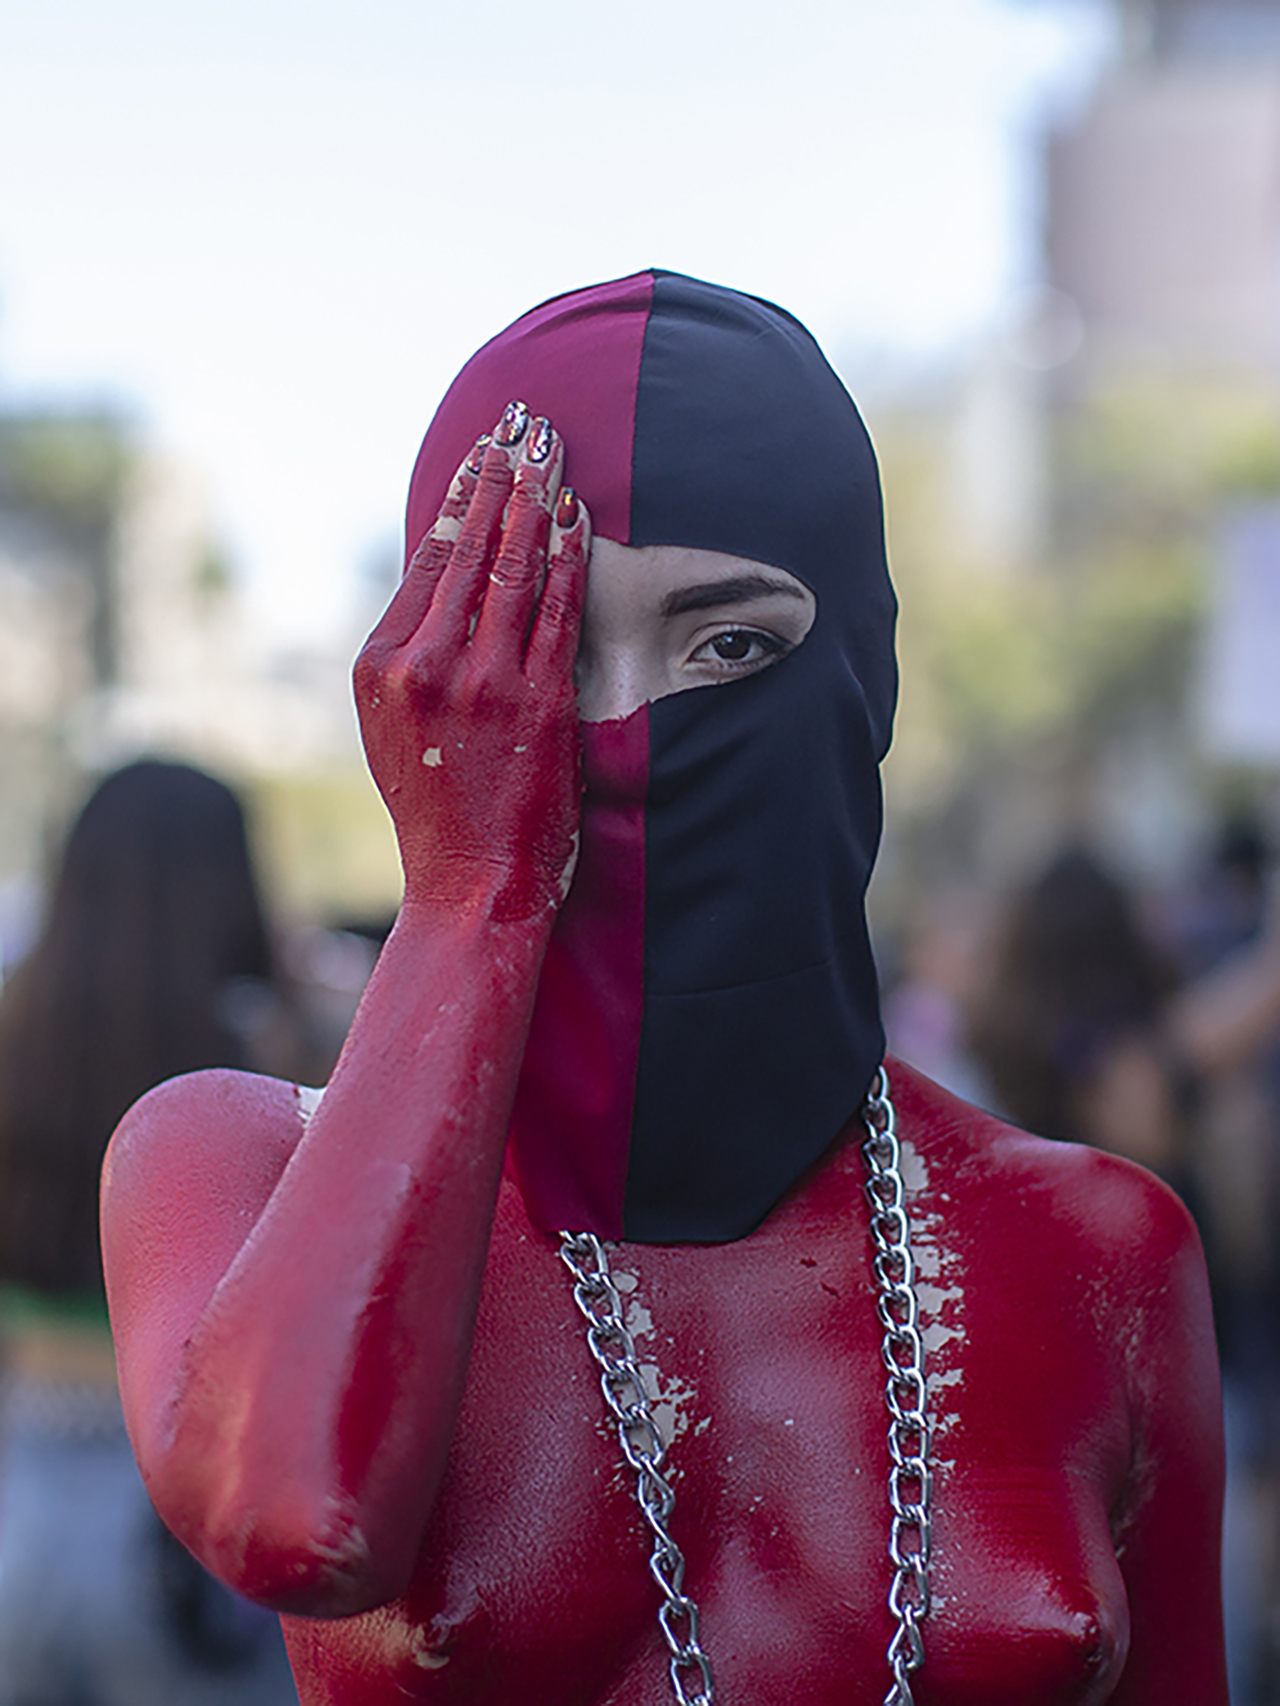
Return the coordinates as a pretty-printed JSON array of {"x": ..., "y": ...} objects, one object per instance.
[
  {"x": 323, "y": 1571},
  {"x": 297, "y": 1556}
]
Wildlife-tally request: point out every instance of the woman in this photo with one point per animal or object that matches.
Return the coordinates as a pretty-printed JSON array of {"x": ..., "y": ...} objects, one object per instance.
[
  {"x": 153, "y": 923},
  {"x": 1073, "y": 1027},
  {"x": 636, "y": 1000},
  {"x": 1084, "y": 1032}
]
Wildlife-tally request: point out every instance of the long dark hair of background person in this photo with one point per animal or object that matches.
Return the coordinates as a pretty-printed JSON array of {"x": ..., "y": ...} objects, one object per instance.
[
  {"x": 153, "y": 915},
  {"x": 1073, "y": 974},
  {"x": 153, "y": 938}
]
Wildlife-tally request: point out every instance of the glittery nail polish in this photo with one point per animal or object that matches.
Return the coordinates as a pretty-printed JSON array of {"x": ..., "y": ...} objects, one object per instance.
[
  {"x": 567, "y": 509},
  {"x": 475, "y": 461},
  {"x": 540, "y": 440},
  {"x": 511, "y": 428}
]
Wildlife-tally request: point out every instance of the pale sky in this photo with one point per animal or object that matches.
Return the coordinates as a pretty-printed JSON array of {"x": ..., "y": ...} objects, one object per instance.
[{"x": 273, "y": 231}]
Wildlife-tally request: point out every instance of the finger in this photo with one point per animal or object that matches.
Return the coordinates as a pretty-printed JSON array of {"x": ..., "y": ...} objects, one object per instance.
[
  {"x": 553, "y": 640},
  {"x": 461, "y": 585},
  {"x": 412, "y": 598},
  {"x": 521, "y": 563}
]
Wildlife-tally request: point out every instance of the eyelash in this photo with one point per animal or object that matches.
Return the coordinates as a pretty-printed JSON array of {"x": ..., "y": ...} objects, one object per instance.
[{"x": 772, "y": 647}]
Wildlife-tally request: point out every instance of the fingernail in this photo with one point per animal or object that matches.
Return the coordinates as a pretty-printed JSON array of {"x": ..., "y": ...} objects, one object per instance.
[
  {"x": 475, "y": 461},
  {"x": 567, "y": 509},
  {"x": 515, "y": 418},
  {"x": 539, "y": 445}
]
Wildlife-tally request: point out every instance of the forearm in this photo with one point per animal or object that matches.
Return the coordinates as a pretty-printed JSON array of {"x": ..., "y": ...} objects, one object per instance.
[
  {"x": 1224, "y": 1018},
  {"x": 311, "y": 1420},
  {"x": 297, "y": 1327}
]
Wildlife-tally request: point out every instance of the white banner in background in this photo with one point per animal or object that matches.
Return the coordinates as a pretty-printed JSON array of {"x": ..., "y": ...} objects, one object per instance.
[{"x": 1240, "y": 699}]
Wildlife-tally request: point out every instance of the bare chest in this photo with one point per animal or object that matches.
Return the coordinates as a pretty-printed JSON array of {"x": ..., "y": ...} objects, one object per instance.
[{"x": 762, "y": 1361}]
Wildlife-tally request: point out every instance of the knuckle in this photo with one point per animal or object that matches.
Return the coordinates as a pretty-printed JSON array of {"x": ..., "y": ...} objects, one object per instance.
[
  {"x": 480, "y": 684},
  {"x": 514, "y": 567},
  {"x": 470, "y": 549},
  {"x": 569, "y": 558},
  {"x": 519, "y": 565},
  {"x": 561, "y": 606},
  {"x": 555, "y": 609},
  {"x": 434, "y": 547},
  {"x": 523, "y": 548},
  {"x": 370, "y": 666},
  {"x": 494, "y": 480},
  {"x": 422, "y": 672}
]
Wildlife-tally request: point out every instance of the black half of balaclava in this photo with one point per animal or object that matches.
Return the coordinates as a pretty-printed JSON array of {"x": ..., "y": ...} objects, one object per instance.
[{"x": 708, "y": 1014}]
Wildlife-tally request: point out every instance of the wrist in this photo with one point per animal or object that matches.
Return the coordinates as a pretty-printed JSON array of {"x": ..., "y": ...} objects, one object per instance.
[
  {"x": 527, "y": 888},
  {"x": 446, "y": 923}
]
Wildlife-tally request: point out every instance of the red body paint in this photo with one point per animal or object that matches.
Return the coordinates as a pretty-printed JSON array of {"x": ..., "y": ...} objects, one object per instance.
[{"x": 1074, "y": 1384}]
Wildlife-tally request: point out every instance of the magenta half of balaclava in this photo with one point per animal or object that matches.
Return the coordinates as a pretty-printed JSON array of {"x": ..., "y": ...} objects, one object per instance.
[{"x": 707, "y": 1016}]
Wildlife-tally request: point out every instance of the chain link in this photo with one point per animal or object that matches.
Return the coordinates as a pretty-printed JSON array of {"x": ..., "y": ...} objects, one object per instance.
[
  {"x": 627, "y": 1397},
  {"x": 910, "y": 1480},
  {"x": 906, "y": 1395}
]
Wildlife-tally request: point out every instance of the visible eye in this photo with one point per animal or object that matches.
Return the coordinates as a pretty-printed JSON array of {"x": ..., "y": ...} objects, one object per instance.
[
  {"x": 740, "y": 649},
  {"x": 734, "y": 648}
]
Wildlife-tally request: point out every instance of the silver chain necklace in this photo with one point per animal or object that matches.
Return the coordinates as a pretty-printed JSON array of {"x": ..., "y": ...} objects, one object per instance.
[{"x": 910, "y": 1480}]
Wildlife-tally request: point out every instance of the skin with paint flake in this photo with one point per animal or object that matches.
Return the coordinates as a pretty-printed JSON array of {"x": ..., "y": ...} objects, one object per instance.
[{"x": 352, "y": 1367}]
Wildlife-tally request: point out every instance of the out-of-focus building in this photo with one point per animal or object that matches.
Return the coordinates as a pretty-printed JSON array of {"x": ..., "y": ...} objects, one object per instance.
[
  {"x": 1163, "y": 228},
  {"x": 1066, "y": 511},
  {"x": 189, "y": 673},
  {"x": 1163, "y": 199}
]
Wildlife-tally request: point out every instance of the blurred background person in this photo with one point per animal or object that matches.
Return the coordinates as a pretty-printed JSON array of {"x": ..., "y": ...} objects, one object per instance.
[
  {"x": 1085, "y": 1028},
  {"x": 154, "y": 959},
  {"x": 1072, "y": 1026}
]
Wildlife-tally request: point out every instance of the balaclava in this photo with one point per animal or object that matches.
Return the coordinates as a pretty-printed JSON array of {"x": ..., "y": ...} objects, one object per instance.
[{"x": 707, "y": 1016}]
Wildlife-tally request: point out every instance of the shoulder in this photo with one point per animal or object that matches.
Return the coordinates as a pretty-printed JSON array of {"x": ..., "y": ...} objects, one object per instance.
[
  {"x": 1099, "y": 1250},
  {"x": 208, "y": 1123},
  {"x": 187, "y": 1175},
  {"x": 1095, "y": 1208}
]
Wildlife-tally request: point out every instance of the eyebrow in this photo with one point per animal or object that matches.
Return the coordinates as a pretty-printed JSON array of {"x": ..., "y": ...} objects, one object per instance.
[{"x": 741, "y": 589}]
